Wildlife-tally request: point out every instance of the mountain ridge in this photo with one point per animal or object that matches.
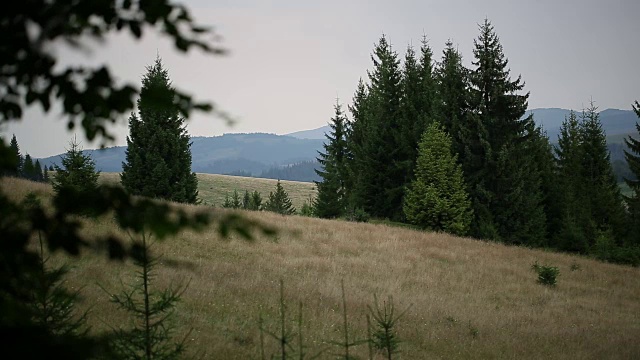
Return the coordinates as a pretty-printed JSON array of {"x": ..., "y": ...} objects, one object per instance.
[{"x": 260, "y": 153}]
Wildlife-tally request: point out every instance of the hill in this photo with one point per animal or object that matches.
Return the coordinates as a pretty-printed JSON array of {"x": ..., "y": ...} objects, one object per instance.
[
  {"x": 253, "y": 153},
  {"x": 616, "y": 123},
  {"x": 469, "y": 299},
  {"x": 288, "y": 156}
]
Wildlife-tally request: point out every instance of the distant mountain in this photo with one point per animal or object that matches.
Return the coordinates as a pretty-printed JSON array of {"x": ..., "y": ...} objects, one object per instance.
[
  {"x": 229, "y": 153},
  {"x": 260, "y": 154},
  {"x": 614, "y": 122},
  {"x": 317, "y": 134}
]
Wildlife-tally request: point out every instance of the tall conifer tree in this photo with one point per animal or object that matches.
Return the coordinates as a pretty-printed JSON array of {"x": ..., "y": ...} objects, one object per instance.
[
  {"x": 509, "y": 175},
  {"x": 158, "y": 155},
  {"x": 604, "y": 201},
  {"x": 570, "y": 235},
  {"x": 356, "y": 133},
  {"x": 382, "y": 187},
  {"x": 331, "y": 199},
  {"x": 16, "y": 158},
  {"x": 633, "y": 201}
]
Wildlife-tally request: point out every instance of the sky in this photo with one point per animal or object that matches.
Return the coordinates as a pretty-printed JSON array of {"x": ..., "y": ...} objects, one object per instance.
[{"x": 288, "y": 61}]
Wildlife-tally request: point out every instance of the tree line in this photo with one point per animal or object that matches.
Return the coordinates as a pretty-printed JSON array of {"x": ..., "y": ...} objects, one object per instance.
[
  {"x": 24, "y": 166},
  {"x": 449, "y": 148}
]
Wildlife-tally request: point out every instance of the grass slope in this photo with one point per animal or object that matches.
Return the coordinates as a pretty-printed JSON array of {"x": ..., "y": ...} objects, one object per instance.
[
  {"x": 213, "y": 188},
  {"x": 470, "y": 299}
]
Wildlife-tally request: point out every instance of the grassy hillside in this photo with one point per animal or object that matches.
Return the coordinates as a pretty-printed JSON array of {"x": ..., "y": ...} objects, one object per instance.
[
  {"x": 213, "y": 188},
  {"x": 470, "y": 299}
]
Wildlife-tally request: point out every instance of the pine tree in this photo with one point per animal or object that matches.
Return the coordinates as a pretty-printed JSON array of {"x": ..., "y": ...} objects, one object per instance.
[
  {"x": 51, "y": 304},
  {"x": 28, "y": 168},
  {"x": 246, "y": 200},
  {"x": 416, "y": 107},
  {"x": 45, "y": 175},
  {"x": 256, "y": 201},
  {"x": 279, "y": 201},
  {"x": 356, "y": 133},
  {"x": 633, "y": 202},
  {"x": 236, "y": 203},
  {"x": 437, "y": 199},
  {"x": 382, "y": 186},
  {"x": 453, "y": 109},
  {"x": 573, "y": 217},
  {"x": 37, "y": 172},
  {"x": 78, "y": 171},
  {"x": 150, "y": 335},
  {"x": 331, "y": 199},
  {"x": 501, "y": 147},
  {"x": 604, "y": 201},
  {"x": 158, "y": 155},
  {"x": 16, "y": 158}
]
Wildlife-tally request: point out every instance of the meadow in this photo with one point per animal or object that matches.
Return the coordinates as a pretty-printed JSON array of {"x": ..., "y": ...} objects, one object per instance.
[
  {"x": 213, "y": 188},
  {"x": 469, "y": 299}
]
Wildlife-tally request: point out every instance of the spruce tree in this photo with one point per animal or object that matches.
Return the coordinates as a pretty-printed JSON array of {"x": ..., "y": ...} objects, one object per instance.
[
  {"x": 37, "y": 171},
  {"x": 437, "y": 198},
  {"x": 574, "y": 215},
  {"x": 453, "y": 108},
  {"x": 502, "y": 149},
  {"x": 331, "y": 199},
  {"x": 151, "y": 330},
  {"x": 28, "y": 168},
  {"x": 633, "y": 201},
  {"x": 15, "y": 159},
  {"x": 279, "y": 201},
  {"x": 78, "y": 171},
  {"x": 603, "y": 198},
  {"x": 356, "y": 133},
  {"x": 256, "y": 201},
  {"x": 158, "y": 155},
  {"x": 416, "y": 109},
  {"x": 382, "y": 185},
  {"x": 246, "y": 200}
]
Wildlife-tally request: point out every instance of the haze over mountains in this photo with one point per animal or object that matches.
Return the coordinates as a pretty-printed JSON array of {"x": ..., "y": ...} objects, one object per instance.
[{"x": 258, "y": 153}]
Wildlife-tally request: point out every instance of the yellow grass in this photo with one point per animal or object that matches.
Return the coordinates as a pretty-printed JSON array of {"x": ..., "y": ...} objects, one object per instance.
[
  {"x": 213, "y": 188},
  {"x": 470, "y": 299}
]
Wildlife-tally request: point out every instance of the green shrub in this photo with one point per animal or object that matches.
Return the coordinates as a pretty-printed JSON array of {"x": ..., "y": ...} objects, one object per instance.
[
  {"x": 358, "y": 215},
  {"x": 546, "y": 274}
]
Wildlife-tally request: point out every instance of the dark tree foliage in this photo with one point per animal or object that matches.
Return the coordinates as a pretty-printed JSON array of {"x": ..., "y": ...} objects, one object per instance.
[
  {"x": 452, "y": 107},
  {"x": 418, "y": 93},
  {"x": 78, "y": 171},
  {"x": 356, "y": 135},
  {"x": 158, "y": 155},
  {"x": 256, "y": 201},
  {"x": 14, "y": 159},
  {"x": 381, "y": 186},
  {"x": 506, "y": 171},
  {"x": 89, "y": 97},
  {"x": 633, "y": 202},
  {"x": 279, "y": 201},
  {"x": 600, "y": 189},
  {"x": 331, "y": 199},
  {"x": 28, "y": 168}
]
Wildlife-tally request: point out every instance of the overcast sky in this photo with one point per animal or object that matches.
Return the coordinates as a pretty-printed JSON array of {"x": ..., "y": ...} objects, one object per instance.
[{"x": 289, "y": 60}]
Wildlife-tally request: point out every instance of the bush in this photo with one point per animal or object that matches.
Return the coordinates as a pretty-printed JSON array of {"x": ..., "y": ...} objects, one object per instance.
[
  {"x": 546, "y": 274},
  {"x": 358, "y": 215}
]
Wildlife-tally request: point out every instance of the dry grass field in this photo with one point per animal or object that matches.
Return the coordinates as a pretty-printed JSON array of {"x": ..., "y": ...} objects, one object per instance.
[
  {"x": 213, "y": 188},
  {"x": 470, "y": 299}
]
